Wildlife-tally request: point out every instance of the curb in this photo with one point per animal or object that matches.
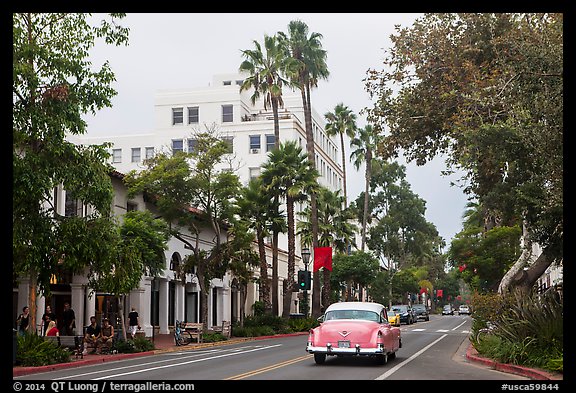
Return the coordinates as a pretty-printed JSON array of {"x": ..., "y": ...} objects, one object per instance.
[
  {"x": 19, "y": 371},
  {"x": 532, "y": 373}
]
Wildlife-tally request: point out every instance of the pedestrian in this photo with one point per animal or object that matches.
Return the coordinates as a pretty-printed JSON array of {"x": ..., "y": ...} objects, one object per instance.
[
  {"x": 68, "y": 320},
  {"x": 23, "y": 321},
  {"x": 47, "y": 317},
  {"x": 133, "y": 322},
  {"x": 52, "y": 330}
]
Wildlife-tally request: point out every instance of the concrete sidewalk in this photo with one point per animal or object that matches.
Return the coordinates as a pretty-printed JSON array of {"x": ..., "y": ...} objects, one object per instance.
[{"x": 165, "y": 343}]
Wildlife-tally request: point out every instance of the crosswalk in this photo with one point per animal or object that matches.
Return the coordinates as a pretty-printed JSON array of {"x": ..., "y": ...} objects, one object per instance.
[{"x": 435, "y": 330}]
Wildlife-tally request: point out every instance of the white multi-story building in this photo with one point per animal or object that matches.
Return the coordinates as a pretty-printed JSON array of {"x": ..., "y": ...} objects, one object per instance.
[{"x": 249, "y": 129}]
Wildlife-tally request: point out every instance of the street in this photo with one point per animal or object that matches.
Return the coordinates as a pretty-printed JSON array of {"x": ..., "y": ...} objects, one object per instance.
[{"x": 433, "y": 350}]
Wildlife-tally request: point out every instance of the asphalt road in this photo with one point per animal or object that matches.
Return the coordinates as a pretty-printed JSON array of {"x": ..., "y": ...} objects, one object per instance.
[{"x": 432, "y": 351}]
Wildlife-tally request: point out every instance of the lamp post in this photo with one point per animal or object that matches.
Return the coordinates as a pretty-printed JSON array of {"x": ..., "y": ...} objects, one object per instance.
[{"x": 306, "y": 260}]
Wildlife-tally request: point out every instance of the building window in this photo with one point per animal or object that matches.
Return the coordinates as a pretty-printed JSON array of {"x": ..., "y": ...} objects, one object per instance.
[
  {"x": 131, "y": 206},
  {"x": 239, "y": 82},
  {"x": 136, "y": 151},
  {"x": 71, "y": 207},
  {"x": 193, "y": 116},
  {"x": 177, "y": 146},
  {"x": 117, "y": 156},
  {"x": 254, "y": 173},
  {"x": 270, "y": 142},
  {"x": 255, "y": 144},
  {"x": 227, "y": 114},
  {"x": 177, "y": 116},
  {"x": 227, "y": 83},
  {"x": 192, "y": 145},
  {"x": 149, "y": 152},
  {"x": 230, "y": 142}
]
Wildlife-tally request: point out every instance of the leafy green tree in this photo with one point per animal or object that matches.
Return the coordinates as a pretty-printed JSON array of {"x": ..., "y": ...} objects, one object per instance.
[
  {"x": 53, "y": 86},
  {"x": 356, "y": 270},
  {"x": 192, "y": 194},
  {"x": 341, "y": 122},
  {"x": 289, "y": 173},
  {"x": 392, "y": 288},
  {"x": 483, "y": 258},
  {"x": 490, "y": 98},
  {"x": 308, "y": 51},
  {"x": 143, "y": 240}
]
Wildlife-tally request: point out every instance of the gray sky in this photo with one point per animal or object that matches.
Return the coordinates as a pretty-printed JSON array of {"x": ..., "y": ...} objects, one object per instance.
[{"x": 168, "y": 51}]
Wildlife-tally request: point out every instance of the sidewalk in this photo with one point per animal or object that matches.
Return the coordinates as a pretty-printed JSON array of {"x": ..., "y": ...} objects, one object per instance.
[{"x": 165, "y": 343}]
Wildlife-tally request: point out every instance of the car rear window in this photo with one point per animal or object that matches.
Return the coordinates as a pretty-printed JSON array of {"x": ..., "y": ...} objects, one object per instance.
[{"x": 352, "y": 314}]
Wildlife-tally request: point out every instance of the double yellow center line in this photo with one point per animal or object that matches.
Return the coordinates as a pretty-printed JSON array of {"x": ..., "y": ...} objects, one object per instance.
[{"x": 268, "y": 368}]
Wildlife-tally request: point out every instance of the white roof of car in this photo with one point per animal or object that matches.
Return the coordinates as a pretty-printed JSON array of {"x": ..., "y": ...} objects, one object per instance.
[{"x": 368, "y": 306}]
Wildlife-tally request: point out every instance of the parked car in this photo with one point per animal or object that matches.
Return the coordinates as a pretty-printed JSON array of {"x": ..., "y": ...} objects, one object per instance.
[
  {"x": 447, "y": 310},
  {"x": 354, "y": 329},
  {"x": 421, "y": 311},
  {"x": 406, "y": 314},
  {"x": 394, "y": 318},
  {"x": 464, "y": 309}
]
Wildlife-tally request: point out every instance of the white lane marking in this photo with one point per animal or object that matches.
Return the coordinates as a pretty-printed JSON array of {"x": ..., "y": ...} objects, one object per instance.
[
  {"x": 459, "y": 325},
  {"x": 184, "y": 363},
  {"x": 405, "y": 362},
  {"x": 185, "y": 355}
]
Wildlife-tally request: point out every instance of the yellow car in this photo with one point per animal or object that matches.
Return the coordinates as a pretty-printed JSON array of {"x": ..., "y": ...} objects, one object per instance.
[{"x": 394, "y": 318}]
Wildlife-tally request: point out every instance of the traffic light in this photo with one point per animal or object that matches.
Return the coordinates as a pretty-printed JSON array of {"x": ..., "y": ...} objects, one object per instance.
[{"x": 304, "y": 279}]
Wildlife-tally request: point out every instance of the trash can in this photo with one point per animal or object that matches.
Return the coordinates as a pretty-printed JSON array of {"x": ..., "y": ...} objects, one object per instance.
[{"x": 14, "y": 344}]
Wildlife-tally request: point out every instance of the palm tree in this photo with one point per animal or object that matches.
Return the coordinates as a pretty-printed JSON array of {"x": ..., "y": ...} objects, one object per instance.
[
  {"x": 265, "y": 76},
  {"x": 307, "y": 50},
  {"x": 253, "y": 206},
  {"x": 341, "y": 121},
  {"x": 364, "y": 144},
  {"x": 289, "y": 173},
  {"x": 335, "y": 229}
]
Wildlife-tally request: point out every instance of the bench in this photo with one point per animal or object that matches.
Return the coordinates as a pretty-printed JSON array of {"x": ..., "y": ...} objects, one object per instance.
[
  {"x": 225, "y": 329},
  {"x": 75, "y": 343},
  {"x": 195, "y": 330}
]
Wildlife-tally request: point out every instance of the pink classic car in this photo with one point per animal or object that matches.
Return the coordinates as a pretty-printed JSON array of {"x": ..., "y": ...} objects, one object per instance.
[{"x": 354, "y": 329}]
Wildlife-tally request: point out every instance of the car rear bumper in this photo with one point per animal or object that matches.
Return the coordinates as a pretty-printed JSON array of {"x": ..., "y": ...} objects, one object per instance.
[{"x": 356, "y": 350}]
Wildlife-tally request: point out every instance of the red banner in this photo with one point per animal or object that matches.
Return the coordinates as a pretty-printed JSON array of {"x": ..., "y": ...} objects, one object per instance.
[
  {"x": 323, "y": 258},
  {"x": 439, "y": 293}
]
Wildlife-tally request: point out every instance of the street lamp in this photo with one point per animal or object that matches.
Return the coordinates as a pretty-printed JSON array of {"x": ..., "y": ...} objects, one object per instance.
[
  {"x": 306, "y": 257},
  {"x": 306, "y": 260}
]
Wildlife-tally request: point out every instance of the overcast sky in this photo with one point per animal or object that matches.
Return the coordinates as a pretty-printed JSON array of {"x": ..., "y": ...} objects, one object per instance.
[{"x": 168, "y": 51}]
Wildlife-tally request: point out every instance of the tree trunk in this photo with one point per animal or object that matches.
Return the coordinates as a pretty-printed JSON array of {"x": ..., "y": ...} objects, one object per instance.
[
  {"x": 527, "y": 269},
  {"x": 275, "y": 308},
  {"x": 344, "y": 170},
  {"x": 316, "y": 310},
  {"x": 120, "y": 300},
  {"x": 264, "y": 281},
  {"x": 366, "y": 195},
  {"x": 291, "y": 257}
]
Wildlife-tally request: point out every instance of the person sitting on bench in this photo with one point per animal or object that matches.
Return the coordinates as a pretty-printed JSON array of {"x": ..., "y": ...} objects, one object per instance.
[
  {"x": 106, "y": 336},
  {"x": 51, "y": 329},
  {"x": 92, "y": 335}
]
